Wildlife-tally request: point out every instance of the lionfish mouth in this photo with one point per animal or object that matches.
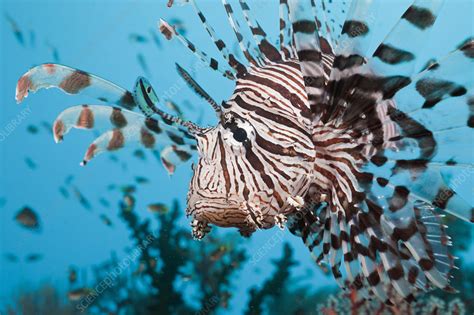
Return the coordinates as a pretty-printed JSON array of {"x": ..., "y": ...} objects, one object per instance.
[{"x": 227, "y": 212}]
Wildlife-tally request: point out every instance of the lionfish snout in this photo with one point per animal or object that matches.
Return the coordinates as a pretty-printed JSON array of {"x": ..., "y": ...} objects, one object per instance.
[{"x": 207, "y": 207}]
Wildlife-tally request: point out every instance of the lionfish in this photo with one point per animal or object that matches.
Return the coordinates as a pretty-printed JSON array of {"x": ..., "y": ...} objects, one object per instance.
[{"x": 321, "y": 134}]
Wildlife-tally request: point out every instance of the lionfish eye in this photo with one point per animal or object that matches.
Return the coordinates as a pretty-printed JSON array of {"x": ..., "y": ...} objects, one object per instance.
[{"x": 240, "y": 134}]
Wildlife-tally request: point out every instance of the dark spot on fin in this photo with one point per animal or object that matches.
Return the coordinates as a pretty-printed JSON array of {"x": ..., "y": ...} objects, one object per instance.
[
  {"x": 355, "y": 28},
  {"x": 419, "y": 17},
  {"x": 434, "y": 90},
  {"x": 183, "y": 155},
  {"x": 432, "y": 64},
  {"x": 393, "y": 55},
  {"x": 175, "y": 138},
  {"x": 304, "y": 26},
  {"x": 127, "y": 100},
  {"x": 467, "y": 47},
  {"x": 399, "y": 198},
  {"x": 117, "y": 118},
  {"x": 75, "y": 82},
  {"x": 346, "y": 62},
  {"x": 153, "y": 125}
]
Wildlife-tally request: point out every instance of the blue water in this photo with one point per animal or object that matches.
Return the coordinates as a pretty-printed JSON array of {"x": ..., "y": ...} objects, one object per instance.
[{"x": 94, "y": 36}]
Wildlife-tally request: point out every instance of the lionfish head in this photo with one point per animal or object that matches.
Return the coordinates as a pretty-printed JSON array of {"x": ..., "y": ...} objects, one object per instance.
[{"x": 253, "y": 163}]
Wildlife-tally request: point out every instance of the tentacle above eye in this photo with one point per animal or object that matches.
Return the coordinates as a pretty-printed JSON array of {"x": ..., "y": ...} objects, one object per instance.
[{"x": 198, "y": 89}]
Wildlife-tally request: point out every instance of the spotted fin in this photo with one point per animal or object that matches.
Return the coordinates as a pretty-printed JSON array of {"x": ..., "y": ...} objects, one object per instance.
[
  {"x": 124, "y": 128},
  {"x": 396, "y": 55},
  {"x": 375, "y": 253},
  {"x": 72, "y": 81}
]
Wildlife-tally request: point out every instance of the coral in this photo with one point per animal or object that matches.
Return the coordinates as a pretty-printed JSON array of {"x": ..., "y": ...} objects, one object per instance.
[
  {"x": 272, "y": 288},
  {"x": 169, "y": 261}
]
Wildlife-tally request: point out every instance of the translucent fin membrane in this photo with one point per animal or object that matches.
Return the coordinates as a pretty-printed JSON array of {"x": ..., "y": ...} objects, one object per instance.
[
  {"x": 396, "y": 55},
  {"x": 124, "y": 128},
  {"x": 356, "y": 32},
  {"x": 72, "y": 81},
  {"x": 336, "y": 13}
]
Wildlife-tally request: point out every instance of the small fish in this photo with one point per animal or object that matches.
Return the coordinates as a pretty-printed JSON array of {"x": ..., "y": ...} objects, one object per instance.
[
  {"x": 78, "y": 294},
  {"x": 218, "y": 253},
  {"x": 113, "y": 158},
  {"x": 46, "y": 125},
  {"x": 141, "y": 180},
  {"x": 137, "y": 38},
  {"x": 68, "y": 180},
  {"x": 186, "y": 277},
  {"x": 82, "y": 200},
  {"x": 64, "y": 192},
  {"x": 3, "y": 201},
  {"x": 104, "y": 202},
  {"x": 28, "y": 218},
  {"x": 105, "y": 220},
  {"x": 72, "y": 276},
  {"x": 111, "y": 187},
  {"x": 225, "y": 297},
  {"x": 11, "y": 257},
  {"x": 142, "y": 62},
  {"x": 33, "y": 257},
  {"x": 30, "y": 163},
  {"x": 16, "y": 30},
  {"x": 128, "y": 189},
  {"x": 152, "y": 262},
  {"x": 54, "y": 52},
  {"x": 174, "y": 107},
  {"x": 139, "y": 154},
  {"x": 140, "y": 268},
  {"x": 160, "y": 208},
  {"x": 156, "y": 38},
  {"x": 235, "y": 264},
  {"x": 129, "y": 202},
  {"x": 32, "y": 129}
]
